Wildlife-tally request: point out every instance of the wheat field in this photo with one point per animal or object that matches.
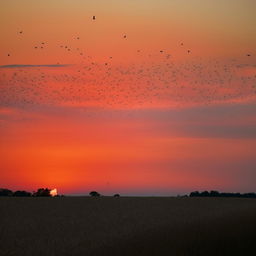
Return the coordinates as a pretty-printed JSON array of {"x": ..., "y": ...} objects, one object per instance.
[{"x": 127, "y": 226}]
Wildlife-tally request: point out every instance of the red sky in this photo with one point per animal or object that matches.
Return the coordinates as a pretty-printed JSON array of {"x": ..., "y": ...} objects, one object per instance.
[{"x": 168, "y": 109}]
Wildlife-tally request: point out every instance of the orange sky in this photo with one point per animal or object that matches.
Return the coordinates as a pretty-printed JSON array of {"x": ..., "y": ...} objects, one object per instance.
[{"x": 167, "y": 109}]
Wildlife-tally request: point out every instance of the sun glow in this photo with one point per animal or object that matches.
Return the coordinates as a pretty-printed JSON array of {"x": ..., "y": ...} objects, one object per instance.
[{"x": 54, "y": 192}]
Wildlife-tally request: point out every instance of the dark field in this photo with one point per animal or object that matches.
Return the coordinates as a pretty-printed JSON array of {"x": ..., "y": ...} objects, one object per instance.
[{"x": 127, "y": 226}]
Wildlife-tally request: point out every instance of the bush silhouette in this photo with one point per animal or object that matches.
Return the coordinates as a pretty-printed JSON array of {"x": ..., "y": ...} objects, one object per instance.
[
  {"x": 94, "y": 194},
  {"x": 42, "y": 192},
  {"x": 21, "y": 193},
  {"x": 205, "y": 193},
  {"x": 214, "y": 193},
  {"x": 5, "y": 192},
  {"x": 116, "y": 195}
]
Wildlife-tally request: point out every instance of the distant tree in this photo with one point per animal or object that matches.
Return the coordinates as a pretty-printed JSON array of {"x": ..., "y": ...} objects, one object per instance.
[
  {"x": 22, "y": 193},
  {"x": 214, "y": 193},
  {"x": 42, "y": 192},
  {"x": 116, "y": 195},
  {"x": 94, "y": 194},
  {"x": 205, "y": 193},
  {"x": 250, "y": 195},
  {"x": 195, "y": 193},
  {"x": 238, "y": 195},
  {"x": 5, "y": 192},
  {"x": 227, "y": 194}
]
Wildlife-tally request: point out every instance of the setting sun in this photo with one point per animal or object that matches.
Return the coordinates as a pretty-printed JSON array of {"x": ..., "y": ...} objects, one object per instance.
[{"x": 54, "y": 192}]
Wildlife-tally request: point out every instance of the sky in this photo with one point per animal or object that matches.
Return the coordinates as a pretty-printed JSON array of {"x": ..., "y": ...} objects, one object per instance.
[{"x": 152, "y": 97}]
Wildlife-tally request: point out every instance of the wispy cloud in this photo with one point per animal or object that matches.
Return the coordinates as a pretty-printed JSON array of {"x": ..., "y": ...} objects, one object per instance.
[
  {"x": 34, "y": 66},
  {"x": 246, "y": 65}
]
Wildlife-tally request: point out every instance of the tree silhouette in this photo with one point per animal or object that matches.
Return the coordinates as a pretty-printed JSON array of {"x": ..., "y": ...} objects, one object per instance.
[
  {"x": 214, "y": 193},
  {"x": 5, "y": 192},
  {"x": 94, "y": 194},
  {"x": 195, "y": 193},
  {"x": 42, "y": 192},
  {"x": 205, "y": 193},
  {"x": 21, "y": 193}
]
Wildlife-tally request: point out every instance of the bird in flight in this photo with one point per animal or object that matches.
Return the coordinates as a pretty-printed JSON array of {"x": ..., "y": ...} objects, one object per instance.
[
  {"x": 94, "y": 17},
  {"x": 125, "y": 36}
]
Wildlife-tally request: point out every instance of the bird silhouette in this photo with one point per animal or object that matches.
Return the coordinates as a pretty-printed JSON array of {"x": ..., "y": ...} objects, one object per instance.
[{"x": 144, "y": 82}]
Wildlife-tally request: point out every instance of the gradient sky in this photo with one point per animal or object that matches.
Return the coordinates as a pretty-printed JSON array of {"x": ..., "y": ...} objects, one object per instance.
[{"x": 154, "y": 97}]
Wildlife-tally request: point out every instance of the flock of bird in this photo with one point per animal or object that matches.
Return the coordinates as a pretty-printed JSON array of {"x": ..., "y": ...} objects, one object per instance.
[{"x": 150, "y": 82}]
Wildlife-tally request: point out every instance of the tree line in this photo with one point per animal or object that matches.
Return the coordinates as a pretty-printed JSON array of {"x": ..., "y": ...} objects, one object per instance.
[
  {"x": 215, "y": 193},
  {"x": 41, "y": 192},
  {"x": 46, "y": 192}
]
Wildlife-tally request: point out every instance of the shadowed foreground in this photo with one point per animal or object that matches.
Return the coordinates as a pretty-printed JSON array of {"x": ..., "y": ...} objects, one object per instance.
[{"x": 127, "y": 226}]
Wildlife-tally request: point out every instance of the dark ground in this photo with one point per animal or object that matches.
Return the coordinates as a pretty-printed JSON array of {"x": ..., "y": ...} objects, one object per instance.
[{"x": 127, "y": 226}]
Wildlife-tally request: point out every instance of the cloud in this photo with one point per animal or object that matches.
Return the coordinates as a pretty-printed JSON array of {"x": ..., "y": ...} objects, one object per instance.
[
  {"x": 246, "y": 65},
  {"x": 34, "y": 66},
  {"x": 231, "y": 121}
]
